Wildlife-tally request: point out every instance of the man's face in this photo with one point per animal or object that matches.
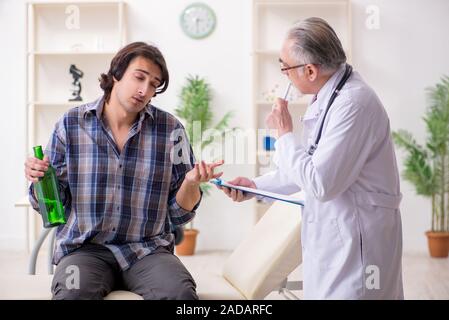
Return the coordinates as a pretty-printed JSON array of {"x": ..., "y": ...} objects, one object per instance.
[
  {"x": 138, "y": 84},
  {"x": 297, "y": 76}
]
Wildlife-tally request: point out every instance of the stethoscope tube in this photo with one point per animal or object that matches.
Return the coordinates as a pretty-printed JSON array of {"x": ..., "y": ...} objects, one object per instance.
[{"x": 346, "y": 75}]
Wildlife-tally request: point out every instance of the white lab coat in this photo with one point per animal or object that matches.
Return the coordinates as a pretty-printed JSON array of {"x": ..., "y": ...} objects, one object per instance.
[{"x": 351, "y": 224}]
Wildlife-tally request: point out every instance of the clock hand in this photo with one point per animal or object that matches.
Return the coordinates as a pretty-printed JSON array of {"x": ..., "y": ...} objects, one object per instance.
[{"x": 197, "y": 21}]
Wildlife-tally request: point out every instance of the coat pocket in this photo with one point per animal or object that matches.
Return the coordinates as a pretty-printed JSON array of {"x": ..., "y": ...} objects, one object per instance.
[{"x": 324, "y": 242}]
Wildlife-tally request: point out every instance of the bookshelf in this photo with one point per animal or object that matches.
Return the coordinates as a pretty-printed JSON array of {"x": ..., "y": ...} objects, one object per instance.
[{"x": 59, "y": 34}]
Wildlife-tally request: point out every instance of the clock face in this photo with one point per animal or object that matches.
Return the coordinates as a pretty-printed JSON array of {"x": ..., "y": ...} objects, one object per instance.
[{"x": 198, "y": 20}]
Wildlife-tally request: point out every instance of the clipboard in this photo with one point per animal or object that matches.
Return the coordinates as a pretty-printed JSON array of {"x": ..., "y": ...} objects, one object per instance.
[{"x": 267, "y": 194}]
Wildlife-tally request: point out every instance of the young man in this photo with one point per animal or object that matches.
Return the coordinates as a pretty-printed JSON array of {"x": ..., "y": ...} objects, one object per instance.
[{"x": 126, "y": 173}]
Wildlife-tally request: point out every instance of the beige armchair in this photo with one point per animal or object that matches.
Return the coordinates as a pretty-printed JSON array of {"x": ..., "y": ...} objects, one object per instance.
[{"x": 261, "y": 263}]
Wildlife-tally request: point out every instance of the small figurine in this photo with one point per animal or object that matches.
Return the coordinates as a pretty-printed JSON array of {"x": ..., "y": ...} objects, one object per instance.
[{"x": 76, "y": 74}]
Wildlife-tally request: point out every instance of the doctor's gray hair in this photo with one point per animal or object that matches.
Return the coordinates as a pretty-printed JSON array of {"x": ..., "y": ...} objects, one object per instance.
[{"x": 314, "y": 41}]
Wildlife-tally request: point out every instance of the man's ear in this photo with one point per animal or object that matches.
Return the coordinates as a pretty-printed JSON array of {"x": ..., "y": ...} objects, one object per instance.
[{"x": 311, "y": 72}]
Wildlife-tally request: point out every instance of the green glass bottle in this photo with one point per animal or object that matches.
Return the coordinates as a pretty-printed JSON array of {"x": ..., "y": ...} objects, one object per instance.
[{"x": 47, "y": 191}]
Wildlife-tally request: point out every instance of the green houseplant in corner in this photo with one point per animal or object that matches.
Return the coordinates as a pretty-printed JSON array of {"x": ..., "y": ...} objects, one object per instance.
[
  {"x": 427, "y": 167},
  {"x": 196, "y": 112}
]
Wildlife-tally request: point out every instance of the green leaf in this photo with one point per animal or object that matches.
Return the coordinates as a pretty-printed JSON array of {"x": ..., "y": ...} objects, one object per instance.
[
  {"x": 427, "y": 167},
  {"x": 417, "y": 165},
  {"x": 205, "y": 187}
]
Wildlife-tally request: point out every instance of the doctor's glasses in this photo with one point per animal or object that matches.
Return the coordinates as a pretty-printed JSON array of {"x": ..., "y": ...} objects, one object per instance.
[{"x": 284, "y": 67}]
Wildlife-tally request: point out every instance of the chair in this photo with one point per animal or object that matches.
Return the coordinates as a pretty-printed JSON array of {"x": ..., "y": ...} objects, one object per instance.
[
  {"x": 114, "y": 295},
  {"x": 260, "y": 264},
  {"x": 263, "y": 261},
  {"x": 39, "y": 286}
]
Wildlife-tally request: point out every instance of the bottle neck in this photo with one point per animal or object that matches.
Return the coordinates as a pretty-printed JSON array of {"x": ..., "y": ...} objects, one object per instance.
[{"x": 38, "y": 153}]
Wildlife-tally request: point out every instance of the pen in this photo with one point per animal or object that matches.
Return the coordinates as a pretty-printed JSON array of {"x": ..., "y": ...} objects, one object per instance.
[
  {"x": 287, "y": 90},
  {"x": 285, "y": 94}
]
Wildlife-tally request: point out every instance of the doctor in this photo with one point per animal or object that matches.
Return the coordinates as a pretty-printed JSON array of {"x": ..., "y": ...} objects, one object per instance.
[{"x": 345, "y": 163}]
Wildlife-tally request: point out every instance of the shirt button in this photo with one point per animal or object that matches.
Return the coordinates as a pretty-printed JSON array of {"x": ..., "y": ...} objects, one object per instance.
[
  {"x": 120, "y": 166},
  {"x": 118, "y": 208},
  {"x": 113, "y": 229}
]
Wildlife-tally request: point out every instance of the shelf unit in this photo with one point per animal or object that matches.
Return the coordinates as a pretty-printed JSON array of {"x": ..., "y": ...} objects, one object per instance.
[
  {"x": 271, "y": 21},
  {"x": 60, "y": 33}
]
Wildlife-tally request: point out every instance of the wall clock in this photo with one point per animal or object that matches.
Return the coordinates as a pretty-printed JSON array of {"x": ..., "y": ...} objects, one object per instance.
[{"x": 198, "y": 20}]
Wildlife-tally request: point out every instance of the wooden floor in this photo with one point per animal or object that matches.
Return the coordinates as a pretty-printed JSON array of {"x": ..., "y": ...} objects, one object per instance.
[{"x": 424, "y": 277}]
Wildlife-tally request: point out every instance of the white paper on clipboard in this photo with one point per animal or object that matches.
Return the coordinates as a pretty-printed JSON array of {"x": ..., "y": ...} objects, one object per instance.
[{"x": 267, "y": 194}]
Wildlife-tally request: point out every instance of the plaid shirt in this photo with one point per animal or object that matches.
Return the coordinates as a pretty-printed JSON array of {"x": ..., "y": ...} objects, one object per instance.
[{"x": 125, "y": 201}]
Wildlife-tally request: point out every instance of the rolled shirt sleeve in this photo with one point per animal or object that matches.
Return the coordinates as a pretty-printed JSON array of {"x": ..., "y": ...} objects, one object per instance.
[{"x": 178, "y": 215}]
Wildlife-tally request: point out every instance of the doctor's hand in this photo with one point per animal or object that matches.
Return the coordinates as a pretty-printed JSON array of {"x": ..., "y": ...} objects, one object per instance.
[
  {"x": 237, "y": 195},
  {"x": 280, "y": 119}
]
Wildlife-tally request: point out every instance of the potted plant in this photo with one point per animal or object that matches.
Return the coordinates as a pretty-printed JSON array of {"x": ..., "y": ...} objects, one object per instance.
[
  {"x": 197, "y": 115},
  {"x": 187, "y": 244},
  {"x": 427, "y": 167}
]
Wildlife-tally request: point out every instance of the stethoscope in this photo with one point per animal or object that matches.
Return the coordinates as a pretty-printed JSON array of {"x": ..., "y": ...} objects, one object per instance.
[{"x": 346, "y": 75}]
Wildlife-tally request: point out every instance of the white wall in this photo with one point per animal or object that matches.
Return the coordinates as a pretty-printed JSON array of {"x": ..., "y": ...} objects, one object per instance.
[
  {"x": 400, "y": 59},
  {"x": 12, "y": 123},
  {"x": 224, "y": 60},
  {"x": 406, "y": 55}
]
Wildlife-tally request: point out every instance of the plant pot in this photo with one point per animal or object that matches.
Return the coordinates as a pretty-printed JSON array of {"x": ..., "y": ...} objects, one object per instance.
[
  {"x": 438, "y": 244},
  {"x": 187, "y": 245}
]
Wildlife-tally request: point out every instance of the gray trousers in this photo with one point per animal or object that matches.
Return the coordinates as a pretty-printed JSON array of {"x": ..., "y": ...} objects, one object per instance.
[{"x": 160, "y": 275}]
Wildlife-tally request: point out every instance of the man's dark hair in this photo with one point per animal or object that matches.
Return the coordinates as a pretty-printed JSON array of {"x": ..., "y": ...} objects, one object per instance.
[{"x": 120, "y": 63}]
